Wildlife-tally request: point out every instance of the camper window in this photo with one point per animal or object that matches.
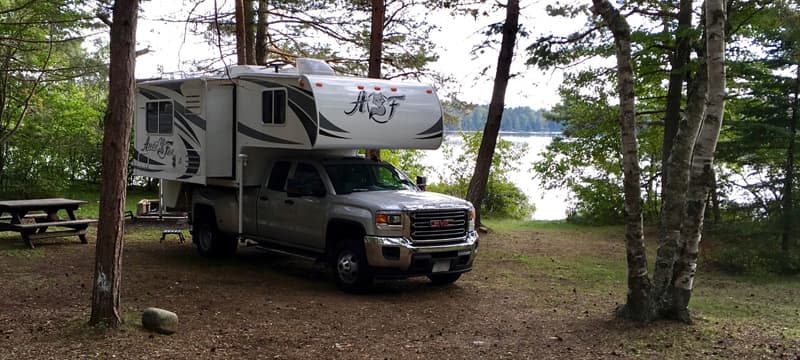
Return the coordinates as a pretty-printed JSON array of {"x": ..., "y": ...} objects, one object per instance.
[
  {"x": 273, "y": 107},
  {"x": 159, "y": 117}
]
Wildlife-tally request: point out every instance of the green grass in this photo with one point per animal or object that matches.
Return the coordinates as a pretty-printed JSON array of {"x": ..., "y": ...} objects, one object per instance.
[
  {"x": 91, "y": 194},
  {"x": 23, "y": 253},
  {"x": 543, "y": 225},
  {"x": 771, "y": 302}
]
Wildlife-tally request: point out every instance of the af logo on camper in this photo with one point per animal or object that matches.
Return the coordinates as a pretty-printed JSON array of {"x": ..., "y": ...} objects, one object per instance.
[{"x": 375, "y": 105}]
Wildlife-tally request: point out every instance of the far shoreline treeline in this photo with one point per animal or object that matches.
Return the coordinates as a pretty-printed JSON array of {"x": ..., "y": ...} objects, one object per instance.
[{"x": 515, "y": 119}]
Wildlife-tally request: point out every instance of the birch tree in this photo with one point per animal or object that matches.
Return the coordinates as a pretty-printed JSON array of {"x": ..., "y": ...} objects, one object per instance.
[
  {"x": 702, "y": 167},
  {"x": 639, "y": 304},
  {"x": 689, "y": 167}
]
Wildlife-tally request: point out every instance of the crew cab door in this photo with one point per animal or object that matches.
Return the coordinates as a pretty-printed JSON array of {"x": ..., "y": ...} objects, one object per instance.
[
  {"x": 307, "y": 200},
  {"x": 273, "y": 219}
]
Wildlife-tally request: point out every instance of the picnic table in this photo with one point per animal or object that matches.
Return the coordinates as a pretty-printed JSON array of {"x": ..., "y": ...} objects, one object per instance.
[{"x": 44, "y": 213}]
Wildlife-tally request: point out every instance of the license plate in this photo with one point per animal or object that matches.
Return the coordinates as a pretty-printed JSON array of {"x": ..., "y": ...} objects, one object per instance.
[{"x": 441, "y": 266}]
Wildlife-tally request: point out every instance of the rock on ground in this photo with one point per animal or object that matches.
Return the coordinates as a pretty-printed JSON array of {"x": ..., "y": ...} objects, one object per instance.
[{"x": 160, "y": 320}]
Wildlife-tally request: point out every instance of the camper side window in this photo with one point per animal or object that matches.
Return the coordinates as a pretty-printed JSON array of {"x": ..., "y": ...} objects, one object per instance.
[
  {"x": 273, "y": 107},
  {"x": 159, "y": 117}
]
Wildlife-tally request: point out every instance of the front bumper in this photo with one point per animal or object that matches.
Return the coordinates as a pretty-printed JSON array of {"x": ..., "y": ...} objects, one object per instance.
[{"x": 397, "y": 257}]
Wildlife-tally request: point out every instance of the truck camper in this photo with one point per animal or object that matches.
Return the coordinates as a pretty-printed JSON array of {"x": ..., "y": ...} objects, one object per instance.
[{"x": 268, "y": 157}]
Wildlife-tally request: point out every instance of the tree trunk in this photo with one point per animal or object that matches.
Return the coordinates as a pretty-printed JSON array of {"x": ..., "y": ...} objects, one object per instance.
[
  {"x": 480, "y": 177},
  {"x": 261, "y": 33},
  {"x": 241, "y": 41},
  {"x": 677, "y": 76},
  {"x": 117, "y": 128},
  {"x": 787, "y": 239},
  {"x": 638, "y": 305},
  {"x": 715, "y": 201},
  {"x": 702, "y": 171},
  {"x": 250, "y": 32},
  {"x": 674, "y": 190},
  {"x": 376, "y": 53}
]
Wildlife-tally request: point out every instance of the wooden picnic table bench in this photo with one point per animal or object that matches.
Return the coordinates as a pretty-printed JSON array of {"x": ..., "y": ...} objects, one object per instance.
[{"x": 45, "y": 218}]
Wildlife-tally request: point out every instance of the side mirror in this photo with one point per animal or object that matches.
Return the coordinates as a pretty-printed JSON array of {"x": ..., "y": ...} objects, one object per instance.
[{"x": 422, "y": 182}]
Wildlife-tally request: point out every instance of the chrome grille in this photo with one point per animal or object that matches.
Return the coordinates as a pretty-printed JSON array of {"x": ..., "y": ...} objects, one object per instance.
[{"x": 438, "y": 225}]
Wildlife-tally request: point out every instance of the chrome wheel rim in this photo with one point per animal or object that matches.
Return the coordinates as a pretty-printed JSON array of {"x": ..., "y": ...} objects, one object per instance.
[
  {"x": 347, "y": 267},
  {"x": 205, "y": 238}
]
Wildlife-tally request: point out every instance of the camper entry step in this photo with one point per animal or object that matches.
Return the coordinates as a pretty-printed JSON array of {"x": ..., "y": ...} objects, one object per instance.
[{"x": 178, "y": 232}]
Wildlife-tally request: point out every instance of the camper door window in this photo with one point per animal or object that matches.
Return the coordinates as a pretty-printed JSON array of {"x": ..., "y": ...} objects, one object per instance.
[
  {"x": 273, "y": 107},
  {"x": 159, "y": 117}
]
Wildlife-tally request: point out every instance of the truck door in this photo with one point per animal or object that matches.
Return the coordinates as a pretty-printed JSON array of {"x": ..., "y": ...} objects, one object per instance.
[
  {"x": 273, "y": 219},
  {"x": 309, "y": 213}
]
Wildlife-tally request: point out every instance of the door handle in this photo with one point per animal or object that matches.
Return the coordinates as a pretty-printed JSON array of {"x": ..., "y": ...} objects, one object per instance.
[
  {"x": 263, "y": 198},
  {"x": 290, "y": 202}
]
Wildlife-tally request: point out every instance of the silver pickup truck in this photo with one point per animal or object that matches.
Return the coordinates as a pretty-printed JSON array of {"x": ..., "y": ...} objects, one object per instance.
[{"x": 362, "y": 217}]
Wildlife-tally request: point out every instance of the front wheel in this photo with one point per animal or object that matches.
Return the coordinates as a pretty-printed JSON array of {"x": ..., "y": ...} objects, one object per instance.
[
  {"x": 353, "y": 274},
  {"x": 444, "y": 279},
  {"x": 212, "y": 243}
]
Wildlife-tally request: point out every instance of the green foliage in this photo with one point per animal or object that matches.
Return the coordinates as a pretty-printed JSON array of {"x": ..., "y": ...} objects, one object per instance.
[
  {"x": 503, "y": 198},
  {"x": 53, "y": 94},
  {"x": 601, "y": 203},
  {"x": 407, "y": 160},
  {"x": 755, "y": 261},
  {"x": 61, "y": 142}
]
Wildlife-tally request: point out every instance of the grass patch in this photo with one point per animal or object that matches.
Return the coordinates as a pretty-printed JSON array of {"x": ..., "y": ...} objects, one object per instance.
[
  {"x": 91, "y": 194},
  {"x": 543, "y": 225},
  {"x": 586, "y": 272},
  {"x": 23, "y": 253}
]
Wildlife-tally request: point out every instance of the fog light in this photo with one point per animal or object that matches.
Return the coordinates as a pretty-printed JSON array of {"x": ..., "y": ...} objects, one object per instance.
[{"x": 391, "y": 253}]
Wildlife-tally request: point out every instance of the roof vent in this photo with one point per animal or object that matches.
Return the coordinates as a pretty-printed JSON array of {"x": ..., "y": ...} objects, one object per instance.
[{"x": 313, "y": 67}]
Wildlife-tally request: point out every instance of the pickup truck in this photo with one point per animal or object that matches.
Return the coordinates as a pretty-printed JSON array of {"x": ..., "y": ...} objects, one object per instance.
[{"x": 364, "y": 218}]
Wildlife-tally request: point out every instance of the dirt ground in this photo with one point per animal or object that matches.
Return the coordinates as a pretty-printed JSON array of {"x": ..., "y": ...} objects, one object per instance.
[{"x": 523, "y": 300}]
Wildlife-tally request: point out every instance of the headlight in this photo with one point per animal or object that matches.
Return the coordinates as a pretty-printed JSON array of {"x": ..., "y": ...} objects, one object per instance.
[
  {"x": 388, "y": 219},
  {"x": 471, "y": 226}
]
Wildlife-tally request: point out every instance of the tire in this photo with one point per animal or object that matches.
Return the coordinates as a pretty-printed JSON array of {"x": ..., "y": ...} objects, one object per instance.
[
  {"x": 211, "y": 243},
  {"x": 350, "y": 268},
  {"x": 444, "y": 279}
]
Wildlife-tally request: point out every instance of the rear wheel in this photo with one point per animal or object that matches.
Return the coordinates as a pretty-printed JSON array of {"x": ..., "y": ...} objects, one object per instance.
[
  {"x": 444, "y": 279},
  {"x": 350, "y": 267},
  {"x": 212, "y": 243}
]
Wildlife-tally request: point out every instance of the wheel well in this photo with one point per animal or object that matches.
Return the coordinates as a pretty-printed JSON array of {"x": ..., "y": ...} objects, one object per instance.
[
  {"x": 339, "y": 230},
  {"x": 203, "y": 213}
]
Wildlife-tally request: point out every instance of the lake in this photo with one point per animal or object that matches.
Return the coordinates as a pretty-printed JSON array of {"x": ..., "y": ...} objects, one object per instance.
[{"x": 550, "y": 204}]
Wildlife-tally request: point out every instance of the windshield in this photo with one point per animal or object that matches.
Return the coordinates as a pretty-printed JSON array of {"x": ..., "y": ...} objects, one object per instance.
[{"x": 348, "y": 178}]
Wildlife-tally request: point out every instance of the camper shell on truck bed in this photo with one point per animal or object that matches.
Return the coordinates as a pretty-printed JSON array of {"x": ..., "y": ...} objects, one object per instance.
[{"x": 191, "y": 130}]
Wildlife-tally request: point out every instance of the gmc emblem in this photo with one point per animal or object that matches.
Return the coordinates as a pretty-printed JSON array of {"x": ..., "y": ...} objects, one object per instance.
[{"x": 440, "y": 223}]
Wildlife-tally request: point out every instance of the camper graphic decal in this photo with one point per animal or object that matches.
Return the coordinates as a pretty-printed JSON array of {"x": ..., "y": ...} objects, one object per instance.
[
  {"x": 162, "y": 147},
  {"x": 375, "y": 105}
]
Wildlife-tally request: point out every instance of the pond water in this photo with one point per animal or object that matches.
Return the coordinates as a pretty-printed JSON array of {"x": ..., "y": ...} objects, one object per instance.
[{"x": 550, "y": 204}]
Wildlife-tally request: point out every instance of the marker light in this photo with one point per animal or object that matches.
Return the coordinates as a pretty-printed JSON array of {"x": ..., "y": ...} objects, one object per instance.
[{"x": 387, "y": 219}]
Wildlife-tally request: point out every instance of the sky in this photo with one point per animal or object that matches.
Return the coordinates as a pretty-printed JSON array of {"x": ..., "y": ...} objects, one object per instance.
[{"x": 172, "y": 46}]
